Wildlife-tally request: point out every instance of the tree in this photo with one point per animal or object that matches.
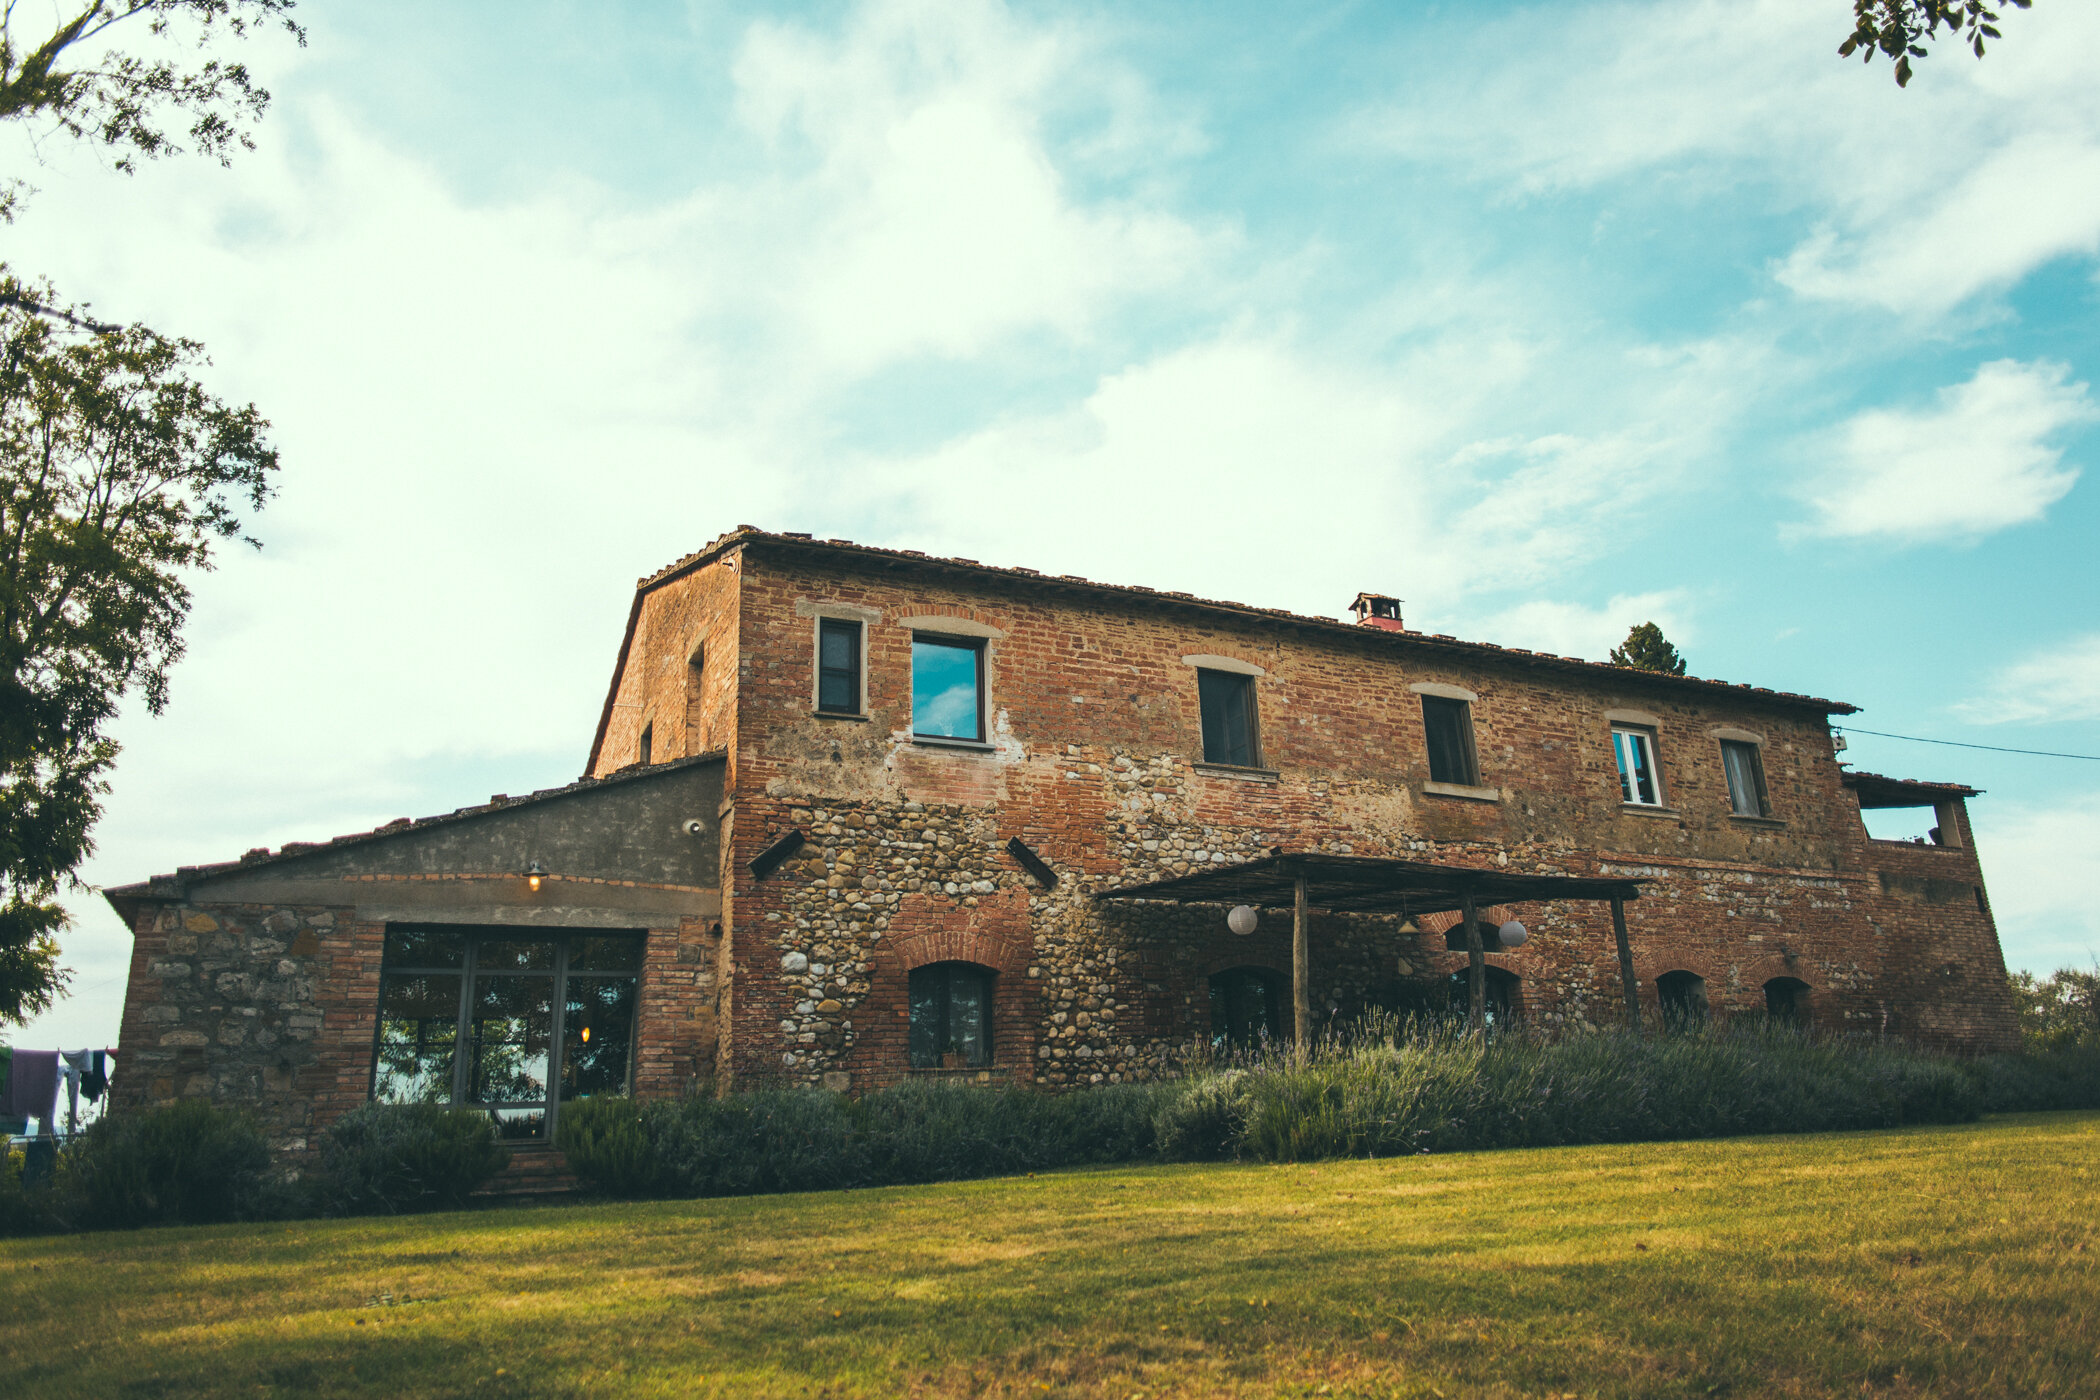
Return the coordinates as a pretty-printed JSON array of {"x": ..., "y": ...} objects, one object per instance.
[
  {"x": 1646, "y": 649},
  {"x": 1896, "y": 27},
  {"x": 118, "y": 471},
  {"x": 2060, "y": 1011}
]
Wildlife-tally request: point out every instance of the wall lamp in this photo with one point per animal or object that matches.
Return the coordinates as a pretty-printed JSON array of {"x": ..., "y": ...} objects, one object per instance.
[{"x": 534, "y": 873}]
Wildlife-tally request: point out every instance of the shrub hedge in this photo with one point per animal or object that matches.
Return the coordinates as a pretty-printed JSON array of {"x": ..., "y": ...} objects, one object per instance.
[{"x": 385, "y": 1159}]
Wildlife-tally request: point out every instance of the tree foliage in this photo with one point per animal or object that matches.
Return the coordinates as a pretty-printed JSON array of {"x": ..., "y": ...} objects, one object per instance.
[
  {"x": 118, "y": 474},
  {"x": 1646, "y": 649},
  {"x": 2060, "y": 1011},
  {"x": 1898, "y": 28}
]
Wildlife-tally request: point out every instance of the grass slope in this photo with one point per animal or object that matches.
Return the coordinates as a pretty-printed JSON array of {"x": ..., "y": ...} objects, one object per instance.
[{"x": 1930, "y": 1261}]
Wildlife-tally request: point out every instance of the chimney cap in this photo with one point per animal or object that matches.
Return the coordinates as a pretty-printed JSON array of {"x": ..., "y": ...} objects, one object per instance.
[{"x": 1376, "y": 607}]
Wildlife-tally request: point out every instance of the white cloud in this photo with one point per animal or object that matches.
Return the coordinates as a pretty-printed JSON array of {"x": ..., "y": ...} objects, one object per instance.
[
  {"x": 2050, "y": 686},
  {"x": 1575, "y": 629},
  {"x": 2038, "y": 863},
  {"x": 1559, "y": 499},
  {"x": 1978, "y": 461},
  {"x": 1974, "y": 176}
]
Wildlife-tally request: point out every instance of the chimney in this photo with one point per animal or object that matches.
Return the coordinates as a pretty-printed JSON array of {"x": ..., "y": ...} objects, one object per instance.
[{"x": 1377, "y": 610}]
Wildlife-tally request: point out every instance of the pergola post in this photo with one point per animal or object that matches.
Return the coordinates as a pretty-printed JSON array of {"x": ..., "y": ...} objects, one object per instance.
[
  {"x": 1301, "y": 967},
  {"x": 1631, "y": 987},
  {"x": 1476, "y": 964}
]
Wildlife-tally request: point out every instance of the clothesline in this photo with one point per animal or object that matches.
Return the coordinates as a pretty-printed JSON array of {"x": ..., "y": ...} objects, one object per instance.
[{"x": 30, "y": 1081}]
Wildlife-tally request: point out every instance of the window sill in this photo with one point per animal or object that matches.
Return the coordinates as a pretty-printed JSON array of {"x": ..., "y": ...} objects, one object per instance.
[
  {"x": 940, "y": 741},
  {"x": 1747, "y": 820},
  {"x": 1465, "y": 790},
  {"x": 1911, "y": 845},
  {"x": 839, "y": 714},
  {"x": 1238, "y": 773},
  {"x": 1642, "y": 809}
]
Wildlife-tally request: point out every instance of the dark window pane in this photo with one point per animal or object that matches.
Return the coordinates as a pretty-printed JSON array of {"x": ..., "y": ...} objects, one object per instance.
[
  {"x": 646, "y": 746},
  {"x": 415, "y": 947},
  {"x": 515, "y": 955},
  {"x": 597, "y": 1035},
  {"x": 1746, "y": 778},
  {"x": 1501, "y": 993},
  {"x": 1450, "y": 732},
  {"x": 418, "y": 1028},
  {"x": 951, "y": 1006},
  {"x": 1683, "y": 999},
  {"x": 509, "y": 1034},
  {"x": 838, "y": 667},
  {"x": 516, "y": 1124},
  {"x": 1228, "y": 717},
  {"x": 614, "y": 953},
  {"x": 1244, "y": 1007},
  {"x": 945, "y": 692}
]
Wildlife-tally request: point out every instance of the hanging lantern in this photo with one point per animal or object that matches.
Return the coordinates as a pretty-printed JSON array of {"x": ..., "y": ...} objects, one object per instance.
[
  {"x": 1242, "y": 920},
  {"x": 1513, "y": 934}
]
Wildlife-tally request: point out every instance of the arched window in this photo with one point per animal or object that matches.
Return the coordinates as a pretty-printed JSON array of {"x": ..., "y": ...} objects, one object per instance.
[
  {"x": 1501, "y": 993},
  {"x": 1246, "y": 1007},
  {"x": 1786, "y": 1001},
  {"x": 1490, "y": 935},
  {"x": 951, "y": 1016},
  {"x": 1683, "y": 997}
]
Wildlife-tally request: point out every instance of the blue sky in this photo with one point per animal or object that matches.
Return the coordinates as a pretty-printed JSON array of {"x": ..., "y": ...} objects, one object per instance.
[{"x": 1550, "y": 320}]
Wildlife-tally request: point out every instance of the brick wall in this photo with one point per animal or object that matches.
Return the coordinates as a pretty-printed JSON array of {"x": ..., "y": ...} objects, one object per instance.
[{"x": 1095, "y": 741}]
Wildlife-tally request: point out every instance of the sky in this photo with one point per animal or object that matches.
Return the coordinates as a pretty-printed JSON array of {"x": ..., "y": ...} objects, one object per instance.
[{"x": 1548, "y": 319}]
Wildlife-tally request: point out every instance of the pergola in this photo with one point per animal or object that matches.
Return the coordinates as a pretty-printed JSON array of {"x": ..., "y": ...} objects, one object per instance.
[{"x": 1376, "y": 885}]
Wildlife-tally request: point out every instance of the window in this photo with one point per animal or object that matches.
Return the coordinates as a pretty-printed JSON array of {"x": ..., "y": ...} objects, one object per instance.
[
  {"x": 951, "y": 1016},
  {"x": 1449, "y": 726},
  {"x": 838, "y": 667},
  {"x": 511, "y": 1024},
  {"x": 1228, "y": 718},
  {"x": 1501, "y": 993},
  {"x": 1245, "y": 1007},
  {"x": 947, "y": 688},
  {"x": 1683, "y": 997},
  {"x": 645, "y": 745},
  {"x": 1786, "y": 1001},
  {"x": 1746, "y": 779},
  {"x": 1639, "y": 783}
]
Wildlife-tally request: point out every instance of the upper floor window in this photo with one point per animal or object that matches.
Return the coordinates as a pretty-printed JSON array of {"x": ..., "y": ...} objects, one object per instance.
[
  {"x": 838, "y": 666},
  {"x": 645, "y": 746},
  {"x": 1745, "y": 768},
  {"x": 1448, "y": 724},
  {"x": 1227, "y": 701},
  {"x": 1639, "y": 783},
  {"x": 947, "y": 687}
]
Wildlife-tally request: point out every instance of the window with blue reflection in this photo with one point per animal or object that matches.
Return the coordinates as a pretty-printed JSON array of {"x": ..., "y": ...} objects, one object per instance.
[{"x": 947, "y": 688}]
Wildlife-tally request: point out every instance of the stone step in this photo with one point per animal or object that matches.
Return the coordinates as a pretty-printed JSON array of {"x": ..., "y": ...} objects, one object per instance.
[{"x": 534, "y": 1172}]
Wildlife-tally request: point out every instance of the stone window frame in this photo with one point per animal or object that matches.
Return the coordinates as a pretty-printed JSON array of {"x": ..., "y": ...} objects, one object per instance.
[
  {"x": 1642, "y": 726},
  {"x": 1725, "y": 735},
  {"x": 1476, "y": 790},
  {"x": 954, "y": 628},
  {"x": 819, "y": 613}
]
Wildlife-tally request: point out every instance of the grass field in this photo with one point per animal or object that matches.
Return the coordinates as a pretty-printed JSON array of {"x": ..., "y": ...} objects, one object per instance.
[{"x": 1935, "y": 1261}]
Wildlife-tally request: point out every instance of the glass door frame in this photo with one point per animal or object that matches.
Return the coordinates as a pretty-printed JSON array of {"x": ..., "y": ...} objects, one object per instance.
[{"x": 470, "y": 974}]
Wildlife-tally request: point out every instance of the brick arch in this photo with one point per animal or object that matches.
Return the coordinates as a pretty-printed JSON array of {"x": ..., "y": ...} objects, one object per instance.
[
  {"x": 934, "y": 928},
  {"x": 1647, "y": 966},
  {"x": 1756, "y": 973},
  {"x": 1443, "y": 923},
  {"x": 1250, "y": 957},
  {"x": 959, "y": 945}
]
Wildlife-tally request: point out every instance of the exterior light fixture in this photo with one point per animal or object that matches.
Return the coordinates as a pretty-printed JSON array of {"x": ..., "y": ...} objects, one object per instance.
[
  {"x": 534, "y": 873},
  {"x": 1512, "y": 934},
  {"x": 586, "y": 1035},
  {"x": 1242, "y": 920}
]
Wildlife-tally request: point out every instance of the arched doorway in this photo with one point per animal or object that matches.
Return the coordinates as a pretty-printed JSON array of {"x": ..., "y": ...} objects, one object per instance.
[
  {"x": 951, "y": 1016},
  {"x": 1683, "y": 998},
  {"x": 1786, "y": 1001},
  {"x": 1246, "y": 1007}
]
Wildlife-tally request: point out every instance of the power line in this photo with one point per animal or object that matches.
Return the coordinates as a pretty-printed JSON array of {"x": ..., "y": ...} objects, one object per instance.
[{"x": 1957, "y": 744}]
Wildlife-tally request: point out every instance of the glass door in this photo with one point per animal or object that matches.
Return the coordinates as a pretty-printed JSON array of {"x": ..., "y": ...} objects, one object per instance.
[{"x": 509, "y": 1021}]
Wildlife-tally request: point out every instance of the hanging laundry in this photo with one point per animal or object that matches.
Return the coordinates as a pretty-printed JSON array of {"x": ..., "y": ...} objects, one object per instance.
[
  {"x": 32, "y": 1088},
  {"x": 10, "y": 1124},
  {"x": 95, "y": 1082}
]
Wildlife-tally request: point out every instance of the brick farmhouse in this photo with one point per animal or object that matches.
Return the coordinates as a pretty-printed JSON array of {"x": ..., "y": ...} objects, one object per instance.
[{"x": 856, "y": 814}]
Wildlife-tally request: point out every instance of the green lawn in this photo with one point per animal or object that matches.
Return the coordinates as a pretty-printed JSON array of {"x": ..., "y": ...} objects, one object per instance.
[{"x": 1940, "y": 1261}]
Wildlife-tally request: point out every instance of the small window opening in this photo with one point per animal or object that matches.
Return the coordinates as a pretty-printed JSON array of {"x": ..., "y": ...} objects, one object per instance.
[
  {"x": 1786, "y": 1001},
  {"x": 1745, "y": 769},
  {"x": 838, "y": 666},
  {"x": 646, "y": 745},
  {"x": 1683, "y": 997},
  {"x": 1246, "y": 1008},
  {"x": 947, "y": 688},
  {"x": 1448, "y": 725},
  {"x": 1227, "y": 701},
  {"x": 1639, "y": 783},
  {"x": 1502, "y": 991},
  {"x": 951, "y": 1016}
]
